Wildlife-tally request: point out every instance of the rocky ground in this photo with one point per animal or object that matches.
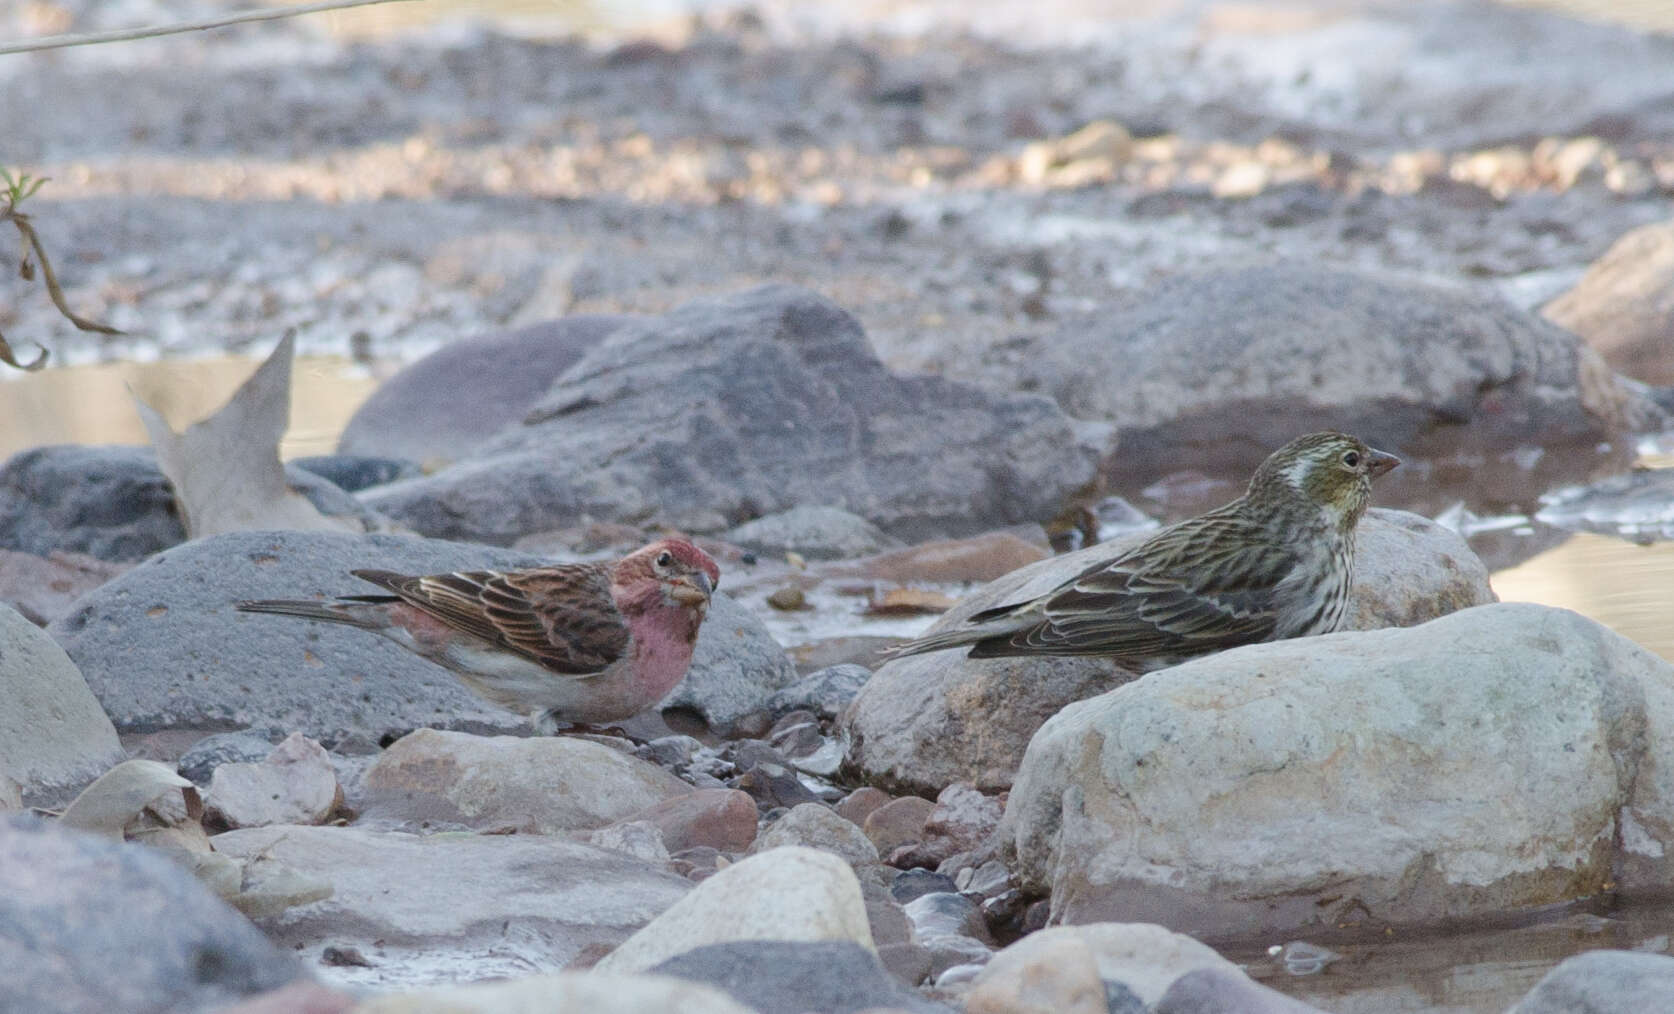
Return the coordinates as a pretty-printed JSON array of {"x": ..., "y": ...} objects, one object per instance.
[{"x": 884, "y": 305}]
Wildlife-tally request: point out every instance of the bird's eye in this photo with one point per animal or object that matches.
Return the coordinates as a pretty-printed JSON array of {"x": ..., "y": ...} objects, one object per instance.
[
  {"x": 1352, "y": 459},
  {"x": 665, "y": 558}
]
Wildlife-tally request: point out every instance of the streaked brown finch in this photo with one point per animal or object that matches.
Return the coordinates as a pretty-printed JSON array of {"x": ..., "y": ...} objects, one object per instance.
[
  {"x": 581, "y": 643},
  {"x": 1275, "y": 563}
]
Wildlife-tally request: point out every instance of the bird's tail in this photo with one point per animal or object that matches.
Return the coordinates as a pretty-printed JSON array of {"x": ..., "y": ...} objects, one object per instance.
[
  {"x": 999, "y": 621},
  {"x": 361, "y": 612}
]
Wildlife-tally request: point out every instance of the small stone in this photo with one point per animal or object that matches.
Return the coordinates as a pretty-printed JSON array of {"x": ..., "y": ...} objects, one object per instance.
[
  {"x": 1219, "y": 990},
  {"x": 940, "y": 914},
  {"x": 818, "y": 826},
  {"x": 638, "y": 838},
  {"x": 296, "y": 784},
  {"x": 200, "y": 760},
  {"x": 949, "y": 951},
  {"x": 775, "y": 785},
  {"x": 898, "y": 822},
  {"x": 723, "y": 819},
  {"x": 825, "y": 692},
  {"x": 857, "y": 805},
  {"x": 910, "y": 884},
  {"x": 788, "y": 599}
]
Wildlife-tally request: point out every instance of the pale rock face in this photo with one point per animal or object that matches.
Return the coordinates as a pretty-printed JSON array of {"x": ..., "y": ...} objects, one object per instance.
[
  {"x": 595, "y": 992},
  {"x": 54, "y": 737},
  {"x": 1476, "y": 763},
  {"x": 541, "y": 785}
]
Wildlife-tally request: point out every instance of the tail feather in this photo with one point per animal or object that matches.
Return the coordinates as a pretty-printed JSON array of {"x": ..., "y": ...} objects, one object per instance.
[
  {"x": 352, "y": 612},
  {"x": 959, "y": 637}
]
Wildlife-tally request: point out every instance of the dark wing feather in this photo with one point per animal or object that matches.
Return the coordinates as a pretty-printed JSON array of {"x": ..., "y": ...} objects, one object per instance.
[
  {"x": 562, "y": 617},
  {"x": 1198, "y": 587}
]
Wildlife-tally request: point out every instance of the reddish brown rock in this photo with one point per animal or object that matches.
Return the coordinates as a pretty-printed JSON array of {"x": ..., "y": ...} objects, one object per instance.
[
  {"x": 723, "y": 819},
  {"x": 898, "y": 822},
  {"x": 859, "y": 804},
  {"x": 977, "y": 559}
]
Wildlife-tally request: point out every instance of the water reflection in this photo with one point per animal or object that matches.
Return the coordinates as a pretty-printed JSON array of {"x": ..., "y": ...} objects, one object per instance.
[
  {"x": 1628, "y": 588},
  {"x": 1472, "y": 973},
  {"x": 91, "y": 405}
]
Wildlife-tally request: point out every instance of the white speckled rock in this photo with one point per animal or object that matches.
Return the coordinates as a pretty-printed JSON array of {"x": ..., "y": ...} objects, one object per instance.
[
  {"x": 1477, "y": 763},
  {"x": 540, "y": 785},
  {"x": 790, "y": 893},
  {"x": 593, "y": 992}
]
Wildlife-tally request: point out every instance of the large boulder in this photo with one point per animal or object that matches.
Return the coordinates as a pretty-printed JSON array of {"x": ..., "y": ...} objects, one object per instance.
[
  {"x": 926, "y": 721},
  {"x": 54, "y": 738},
  {"x": 1490, "y": 760},
  {"x": 1219, "y": 366},
  {"x": 162, "y": 647},
  {"x": 1624, "y": 305},
  {"x": 448, "y": 404},
  {"x": 452, "y": 907},
  {"x": 89, "y": 926},
  {"x": 727, "y": 409}
]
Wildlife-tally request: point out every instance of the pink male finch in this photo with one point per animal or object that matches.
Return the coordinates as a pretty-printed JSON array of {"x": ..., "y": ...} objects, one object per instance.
[
  {"x": 1275, "y": 563},
  {"x": 578, "y": 643}
]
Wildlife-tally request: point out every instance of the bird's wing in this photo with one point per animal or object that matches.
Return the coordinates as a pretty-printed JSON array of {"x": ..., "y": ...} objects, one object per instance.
[
  {"x": 1203, "y": 585},
  {"x": 562, "y": 617}
]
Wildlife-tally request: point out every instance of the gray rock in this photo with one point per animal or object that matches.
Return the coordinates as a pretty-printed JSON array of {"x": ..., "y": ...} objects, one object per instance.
[
  {"x": 113, "y": 503},
  {"x": 539, "y": 785},
  {"x": 446, "y": 405},
  {"x": 727, "y": 409},
  {"x": 1602, "y": 982},
  {"x": 355, "y": 472},
  {"x": 162, "y": 647},
  {"x": 736, "y": 667},
  {"x": 941, "y": 913},
  {"x": 926, "y": 721},
  {"x": 791, "y": 977},
  {"x": 785, "y": 894},
  {"x": 89, "y": 926},
  {"x": 917, "y": 882},
  {"x": 814, "y": 532},
  {"x": 202, "y": 758},
  {"x": 1218, "y": 991},
  {"x": 825, "y": 692},
  {"x": 510, "y": 904},
  {"x": 1483, "y": 762},
  {"x": 54, "y": 738},
  {"x": 108, "y": 502},
  {"x": 43, "y": 588},
  {"x": 1218, "y": 367}
]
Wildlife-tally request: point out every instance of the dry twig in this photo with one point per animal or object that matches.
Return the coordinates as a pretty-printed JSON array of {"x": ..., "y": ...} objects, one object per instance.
[
  {"x": 15, "y": 191},
  {"x": 124, "y": 35}
]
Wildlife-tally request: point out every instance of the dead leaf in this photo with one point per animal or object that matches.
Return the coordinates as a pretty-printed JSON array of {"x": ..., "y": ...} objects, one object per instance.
[
  {"x": 909, "y": 602},
  {"x": 123, "y": 794},
  {"x": 225, "y": 469}
]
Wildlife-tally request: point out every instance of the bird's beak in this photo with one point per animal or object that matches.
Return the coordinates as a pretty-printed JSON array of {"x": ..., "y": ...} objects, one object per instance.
[
  {"x": 1379, "y": 462},
  {"x": 691, "y": 589}
]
